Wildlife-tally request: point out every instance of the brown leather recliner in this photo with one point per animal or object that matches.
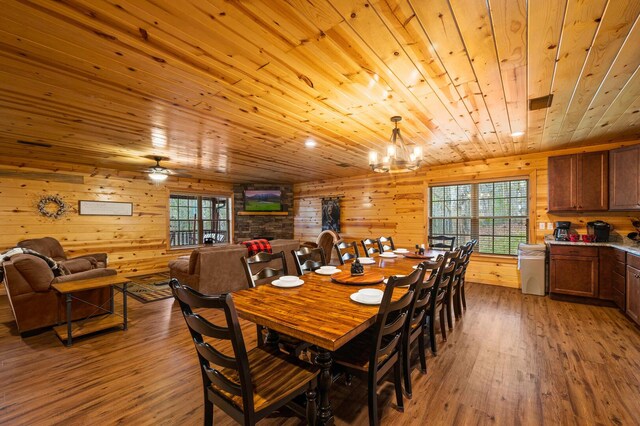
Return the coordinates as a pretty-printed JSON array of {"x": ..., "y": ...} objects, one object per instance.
[
  {"x": 50, "y": 247},
  {"x": 36, "y": 304},
  {"x": 326, "y": 239}
]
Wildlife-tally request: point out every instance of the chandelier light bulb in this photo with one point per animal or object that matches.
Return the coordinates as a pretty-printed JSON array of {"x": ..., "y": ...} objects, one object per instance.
[
  {"x": 373, "y": 157},
  {"x": 391, "y": 150}
]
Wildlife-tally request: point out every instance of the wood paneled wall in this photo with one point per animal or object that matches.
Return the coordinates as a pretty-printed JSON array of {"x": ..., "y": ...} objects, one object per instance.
[
  {"x": 375, "y": 205},
  {"x": 135, "y": 243}
]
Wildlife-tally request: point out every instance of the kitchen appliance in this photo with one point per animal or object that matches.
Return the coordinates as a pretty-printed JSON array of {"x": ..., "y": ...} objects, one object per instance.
[
  {"x": 600, "y": 230},
  {"x": 561, "y": 233}
]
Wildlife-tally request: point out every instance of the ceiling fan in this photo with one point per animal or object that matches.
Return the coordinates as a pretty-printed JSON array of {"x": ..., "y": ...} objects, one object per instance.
[{"x": 160, "y": 173}]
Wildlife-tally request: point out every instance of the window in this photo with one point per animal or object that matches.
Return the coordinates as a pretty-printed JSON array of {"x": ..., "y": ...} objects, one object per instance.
[
  {"x": 194, "y": 218},
  {"x": 494, "y": 213}
]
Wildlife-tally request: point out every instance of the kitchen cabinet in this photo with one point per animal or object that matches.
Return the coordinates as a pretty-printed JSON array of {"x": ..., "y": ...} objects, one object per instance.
[
  {"x": 605, "y": 275},
  {"x": 633, "y": 287},
  {"x": 574, "y": 271},
  {"x": 579, "y": 182},
  {"x": 624, "y": 182},
  {"x": 617, "y": 275},
  {"x": 562, "y": 172}
]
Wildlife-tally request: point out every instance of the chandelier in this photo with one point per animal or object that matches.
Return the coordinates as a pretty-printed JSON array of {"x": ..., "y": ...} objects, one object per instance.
[{"x": 399, "y": 156}]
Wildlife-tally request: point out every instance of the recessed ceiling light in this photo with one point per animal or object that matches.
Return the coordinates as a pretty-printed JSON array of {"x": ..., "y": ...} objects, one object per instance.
[
  {"x": 310, "y": 143},
  {"x": 517, "y": 134}
]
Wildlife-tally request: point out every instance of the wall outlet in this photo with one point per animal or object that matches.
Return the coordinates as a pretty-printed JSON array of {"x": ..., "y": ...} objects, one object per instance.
[
  {"x": 541, "y": 225},
  {"x": 550, "y": 226}
]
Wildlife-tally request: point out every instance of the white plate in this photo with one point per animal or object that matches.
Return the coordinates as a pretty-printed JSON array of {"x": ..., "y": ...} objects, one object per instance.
[
  {"x": 366, "y": 260},
  {"x": 356, "y": 298},
  {"x": 327, "y": 271},
  {"x": 401, "y": 251},
  {"x": 388, "y": 255},
  {"x": 387, "y": 279},
  {"x": 278, "y": 283}
]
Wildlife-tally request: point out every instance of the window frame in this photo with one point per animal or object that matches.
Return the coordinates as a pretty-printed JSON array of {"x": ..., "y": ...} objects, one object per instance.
[
  {"x": 485, "y": 177},
  {"x": 200, "y": 195}
]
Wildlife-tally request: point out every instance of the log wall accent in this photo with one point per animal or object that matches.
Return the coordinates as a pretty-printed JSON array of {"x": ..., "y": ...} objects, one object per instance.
[
  {"x": 380, "y": 205},
  {"x": 137, "y": 243}
]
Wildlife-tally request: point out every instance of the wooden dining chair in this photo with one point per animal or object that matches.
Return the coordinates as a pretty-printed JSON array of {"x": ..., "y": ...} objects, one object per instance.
[
  {"x": 346, "y": 251},
  {"x": 370, "y": 246},
  {"x": 262, "y": 268},
  {"x": 442, "y": 242},
  {"x": 455, "y": 298},
  {"x": 308, "y": 259},
  {"x": 248, "y": 386},
  {"x": 373, "y": 353},
  {"x": 460, "y": 300},
  {"x": 438, "y": 305},
  {"x": 386, "y": 244},
  {"x": 416, "y": 326}
]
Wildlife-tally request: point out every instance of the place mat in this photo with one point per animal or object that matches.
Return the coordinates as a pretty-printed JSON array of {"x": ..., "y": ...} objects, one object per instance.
[
  {"x": 149, "y": 288},
  {"x": 368, "y": 278},
  {"x": 417, "y": 256}
]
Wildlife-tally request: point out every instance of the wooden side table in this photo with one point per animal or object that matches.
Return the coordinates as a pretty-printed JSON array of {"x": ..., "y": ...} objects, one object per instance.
[{"x": 91, "y": 325}]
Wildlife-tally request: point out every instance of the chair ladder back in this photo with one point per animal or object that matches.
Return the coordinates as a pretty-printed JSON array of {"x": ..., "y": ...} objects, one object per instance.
[
  {"x": 423, "y": 294},
  {"x": 393, "y": 314},
  {"x": 370, "y": 246},
  {"x": 268, "y": 270},
  {"x": 386, "y": 244},
  {"x": 342, "y": 248},
  {"x": 446, "y": 243},
  {"x": 445, "y": 275},
  {"x": 309, "y": 259},
  {"x": 208, "y": 356}
]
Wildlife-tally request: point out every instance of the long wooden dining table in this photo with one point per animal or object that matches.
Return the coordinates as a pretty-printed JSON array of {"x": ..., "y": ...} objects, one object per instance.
[{"x": 319, "y": 312}]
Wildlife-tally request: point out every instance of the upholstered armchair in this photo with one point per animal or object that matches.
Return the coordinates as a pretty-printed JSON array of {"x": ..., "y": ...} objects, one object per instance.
[
  {"x": 326, "y": 239},
  {"x": 35, "y": 303},
  {"x": 50, "y": 247}
]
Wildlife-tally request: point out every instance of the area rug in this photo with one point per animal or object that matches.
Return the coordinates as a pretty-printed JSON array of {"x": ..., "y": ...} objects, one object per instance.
[{"x": 150, "y": 287}]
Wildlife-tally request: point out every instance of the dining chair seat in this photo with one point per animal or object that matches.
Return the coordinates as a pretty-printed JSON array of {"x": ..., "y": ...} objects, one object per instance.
[{"x": 274, "y": 375}]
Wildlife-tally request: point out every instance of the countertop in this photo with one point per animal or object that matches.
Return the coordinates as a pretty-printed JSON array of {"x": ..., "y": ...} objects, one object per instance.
[{"x": 626, "y": 244}]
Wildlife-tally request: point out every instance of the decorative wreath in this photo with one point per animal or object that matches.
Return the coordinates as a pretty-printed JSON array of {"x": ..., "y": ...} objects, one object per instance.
[{"x": 52, "y": 206}]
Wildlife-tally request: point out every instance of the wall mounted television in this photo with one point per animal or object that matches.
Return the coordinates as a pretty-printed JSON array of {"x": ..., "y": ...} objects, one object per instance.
[{"x": 263, "y": 200}]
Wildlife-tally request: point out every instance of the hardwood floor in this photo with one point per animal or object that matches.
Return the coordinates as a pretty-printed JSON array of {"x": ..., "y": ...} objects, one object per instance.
[{"x": 513, "y": 359}]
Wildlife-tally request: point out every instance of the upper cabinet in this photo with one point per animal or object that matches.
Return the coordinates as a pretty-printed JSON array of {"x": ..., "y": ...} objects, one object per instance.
[
  {"x": 579, "y": 182},
  {"x": 624, "y": 185}
]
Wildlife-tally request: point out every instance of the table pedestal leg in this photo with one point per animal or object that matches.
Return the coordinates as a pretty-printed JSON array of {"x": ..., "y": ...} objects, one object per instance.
[
  {"x": 324, "y": 361},
  {"x": 272, "y": 338},
  {"x": 125, "y": 325},
  {"x": 69, "y": 338}
]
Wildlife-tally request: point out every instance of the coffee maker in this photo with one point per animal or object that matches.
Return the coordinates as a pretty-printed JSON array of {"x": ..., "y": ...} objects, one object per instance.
[
  {"x": 561, "y": 233},
  {"x": 600, "y": 230}
]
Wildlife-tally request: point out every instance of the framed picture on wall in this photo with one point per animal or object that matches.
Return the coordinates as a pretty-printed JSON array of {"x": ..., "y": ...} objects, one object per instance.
[
  {"x": 104, "y": 208},
  {"x": 331, "y": 214}
]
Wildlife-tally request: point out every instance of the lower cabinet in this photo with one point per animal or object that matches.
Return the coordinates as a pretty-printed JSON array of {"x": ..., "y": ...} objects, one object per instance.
[
  {"x": 574, "y": 275},
  {"x": 633, "y": 287}
]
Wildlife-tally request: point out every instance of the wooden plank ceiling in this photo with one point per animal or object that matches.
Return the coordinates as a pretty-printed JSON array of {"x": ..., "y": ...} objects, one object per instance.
[{"x": 231, "y": 90}]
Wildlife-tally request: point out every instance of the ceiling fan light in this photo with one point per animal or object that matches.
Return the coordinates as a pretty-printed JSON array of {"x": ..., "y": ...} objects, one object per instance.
[{"x": 158, "y": 176}]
